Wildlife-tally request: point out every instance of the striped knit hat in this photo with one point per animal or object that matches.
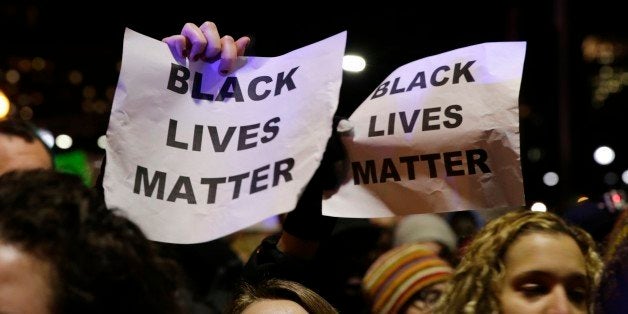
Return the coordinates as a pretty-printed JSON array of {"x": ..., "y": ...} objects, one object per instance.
[{"x": 398, "y": 274}]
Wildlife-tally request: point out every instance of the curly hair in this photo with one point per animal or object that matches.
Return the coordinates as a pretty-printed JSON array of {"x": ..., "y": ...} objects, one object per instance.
[
  {"x": 474, "y": 286},
  {"x": 101, "y": 262},
  {"x": 278, "y": 289}
]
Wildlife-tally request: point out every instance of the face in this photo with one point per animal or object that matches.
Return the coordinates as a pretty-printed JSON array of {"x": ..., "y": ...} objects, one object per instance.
[
  {"x": 24, "y": 282},
  {"x": 545, "y": 273},
  {"x": 274, "y": 306},
  {"x": 18, "y": 154},
  {"x": 424, "y": 301}
]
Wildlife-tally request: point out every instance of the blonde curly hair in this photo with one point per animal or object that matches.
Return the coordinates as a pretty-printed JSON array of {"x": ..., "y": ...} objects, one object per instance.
[{"x": 478, "y": 277}]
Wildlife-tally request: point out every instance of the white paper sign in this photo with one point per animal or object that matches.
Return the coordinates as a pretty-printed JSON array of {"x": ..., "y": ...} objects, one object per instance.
[
  {"x": 439, "y": 134},
  {"x": 193, "y": 155}
]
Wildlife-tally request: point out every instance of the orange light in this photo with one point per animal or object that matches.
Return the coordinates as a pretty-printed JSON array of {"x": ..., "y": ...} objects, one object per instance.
[{"x": 5, "y": 105}]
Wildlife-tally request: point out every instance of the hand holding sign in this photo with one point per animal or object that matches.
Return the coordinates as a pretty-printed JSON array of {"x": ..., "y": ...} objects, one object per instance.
[{"x": 205, "y": 43}]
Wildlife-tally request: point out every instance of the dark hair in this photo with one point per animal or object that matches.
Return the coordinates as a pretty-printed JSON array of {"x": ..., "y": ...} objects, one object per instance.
[
  {"x": 277, "y": 289},
  {"x": 102, "y": 262},
  {"x": 18, "y": 128},
  {"x": 25, "y": 131}
]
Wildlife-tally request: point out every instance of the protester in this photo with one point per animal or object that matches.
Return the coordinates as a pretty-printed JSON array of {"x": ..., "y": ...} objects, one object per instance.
[
  {"x": 303, "y": 252},
  {"x": 282, "y": 256},
  {"x": 21, "y": 148},
  {"x": 409, "y": 278},
  {"x": 62, "y": 251},
  {"x": 211, "y": 282},
  {"x": 525, "y": 262},
  {"x": 279, "y": 296}
]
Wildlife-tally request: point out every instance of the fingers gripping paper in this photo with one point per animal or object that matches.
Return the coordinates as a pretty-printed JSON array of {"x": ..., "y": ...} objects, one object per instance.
[
  {"x": 193, "y": 155},
  {"x": 439, "y": 134}
]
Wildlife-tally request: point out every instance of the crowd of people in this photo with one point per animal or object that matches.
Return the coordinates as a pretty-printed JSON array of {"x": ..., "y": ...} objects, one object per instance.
[{"x": 63, "y": 251}]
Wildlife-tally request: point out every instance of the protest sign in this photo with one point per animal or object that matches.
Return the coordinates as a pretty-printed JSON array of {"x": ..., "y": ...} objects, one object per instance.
[
  {"x": 193, "y": 155},
  {"x": 439, "y": 134}
]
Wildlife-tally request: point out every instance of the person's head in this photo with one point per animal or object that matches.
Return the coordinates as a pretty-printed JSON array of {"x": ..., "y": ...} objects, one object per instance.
[
  {"x": 406, "y": 279},
  {"x": 21, "y": 148},
  {"x": 525, "y": 262},
  {"x": 279, "y": 296},
  {"x": 427, "y": 229},
  {"x": 61, "y": 251}
]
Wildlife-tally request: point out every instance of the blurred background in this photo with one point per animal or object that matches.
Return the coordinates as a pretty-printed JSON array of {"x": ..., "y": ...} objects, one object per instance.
[{"x": 59, "y": 66}]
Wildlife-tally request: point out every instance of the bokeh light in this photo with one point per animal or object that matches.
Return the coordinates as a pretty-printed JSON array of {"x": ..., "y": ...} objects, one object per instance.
[
  {"x": 47, "y": 137},
  {"x": 12, "y": 76},
  {"x": 102, "y": 142},
  {"x": 63, "y": 141},
  {"x": 353, "y": 63},
  {"x": 538, "y": 207},
  {"x": 582, "y": 199},
  {"x": 5, "y": 105},
  {"x": 550, "y": 178},
  {"x": 534, "y": 154},
  {"x": 604, "y": 155}
]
